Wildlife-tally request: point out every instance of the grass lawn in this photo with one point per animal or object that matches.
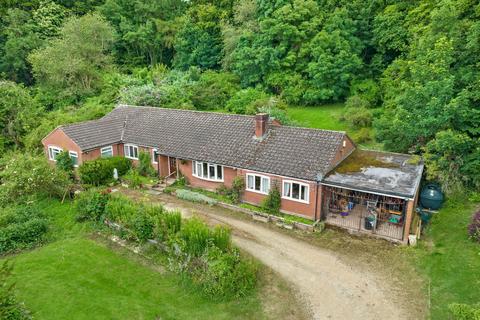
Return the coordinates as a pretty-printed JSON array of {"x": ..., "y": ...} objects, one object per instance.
[
  {"x": 327, "y": 117},
  {"x": 450, "y": 260},
  {"x": 78, "y": 277}
]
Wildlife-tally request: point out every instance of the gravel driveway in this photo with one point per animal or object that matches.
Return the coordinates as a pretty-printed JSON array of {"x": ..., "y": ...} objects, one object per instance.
[{"x": 330, "y": 288}]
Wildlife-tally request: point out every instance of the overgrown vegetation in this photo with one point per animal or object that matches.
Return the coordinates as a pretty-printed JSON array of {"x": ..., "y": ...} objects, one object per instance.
[
  {"x": 205, "y": 256},
  {"x": 273, "y": 200}
]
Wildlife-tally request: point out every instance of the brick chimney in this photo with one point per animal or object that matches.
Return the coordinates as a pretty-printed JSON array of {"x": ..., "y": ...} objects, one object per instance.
[{"x": 261, "y": 125}]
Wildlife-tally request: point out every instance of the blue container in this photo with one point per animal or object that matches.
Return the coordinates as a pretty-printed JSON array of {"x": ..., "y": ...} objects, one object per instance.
[{"x": 431, "y": 197}]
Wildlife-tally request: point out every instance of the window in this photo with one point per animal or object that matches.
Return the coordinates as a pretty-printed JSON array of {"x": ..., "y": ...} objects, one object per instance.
[
  {"x": 53, "y": 152},
  {"x": 131, "y": 151},
  {"x": 74, "y": 156},
  {"x": 106, "y": 152},
  {"x": 207, "y": 171},
  {"x": 154, "y": 155},
  {"x": 258, "y": 183},
  {"x": 295, "y": 191}
]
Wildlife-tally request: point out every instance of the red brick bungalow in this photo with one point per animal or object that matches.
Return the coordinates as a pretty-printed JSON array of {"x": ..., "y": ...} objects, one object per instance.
[{"x": 211, "y": 149}]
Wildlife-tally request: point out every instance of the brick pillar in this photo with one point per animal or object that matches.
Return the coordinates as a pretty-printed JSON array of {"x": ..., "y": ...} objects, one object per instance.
[{"x": 408, "y": 220}]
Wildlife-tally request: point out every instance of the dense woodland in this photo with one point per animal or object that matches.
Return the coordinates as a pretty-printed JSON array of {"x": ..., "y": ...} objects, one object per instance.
[{"x": 408, "y": 69}]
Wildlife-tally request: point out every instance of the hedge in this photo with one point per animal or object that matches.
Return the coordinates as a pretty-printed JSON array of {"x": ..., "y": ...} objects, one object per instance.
[{"x": 100, "y": 171}]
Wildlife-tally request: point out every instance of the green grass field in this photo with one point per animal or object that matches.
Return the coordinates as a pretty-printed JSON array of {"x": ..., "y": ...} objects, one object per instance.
[
  {"x": 78, "y": 277},
  {"x": 328, "y": 117},
  {"x": 450, "y": 260}
]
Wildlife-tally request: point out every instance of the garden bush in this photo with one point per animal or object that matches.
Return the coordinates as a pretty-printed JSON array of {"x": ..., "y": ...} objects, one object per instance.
[
  {"x": 359, "y": 117},
  {"x": 474, "y": 227},
  {"x": 122, "y": 164},
  {"x": 194, "y": 197},
  {"x": 167, "y": 225},
  {"x": 90, "y": 204},
  {"x": 65, "y": 163},
  {"x": 273, "y": 200},
  {"x": 100, "y": 171},
  {"x": 121, "y": 209},
  {"x": 238, "y": 185},
  {"x": 20, "y": 228},
  {"x": 10, "y": 308},
  {"x": 464, "y": 312},
  {"x": 133, "y": 179},
  {"x": 23, "y": 177},
  {"x": 144, "y": 167}
]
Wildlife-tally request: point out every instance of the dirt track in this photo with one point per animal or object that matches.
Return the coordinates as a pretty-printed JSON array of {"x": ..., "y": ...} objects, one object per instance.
[{"x": 331, "y": 288}]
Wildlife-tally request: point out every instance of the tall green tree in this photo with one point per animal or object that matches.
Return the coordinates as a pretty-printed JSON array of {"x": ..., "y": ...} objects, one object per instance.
[
  {"x": 19, "y": 114},
  {"x": 199, "y": 42},
  {"x": 20, "y": 40},
  {"x": 72, "y": 64},
  {"x": 146, "y": 29}
]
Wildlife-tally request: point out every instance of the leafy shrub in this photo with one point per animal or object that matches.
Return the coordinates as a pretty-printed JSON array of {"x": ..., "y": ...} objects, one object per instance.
[
  {"x": 224, "y": 274},
  {"x": 144, "y": 167},
  {"x": 100, "y": 171},
  {"x": 122, "y": 164},
  {"x": 464, "y": 312},
  {"x": 65, "y": 163},
  {"x": 238, "y": 185},
  {"x": 474, "y": 227},
  {"x": 90, "y": 205},
  {"x": 358, "y": 118},
  {"x": 121, "y": 209},
  {"x": 23, "y": 176},
  {"x": 194, "y": 197},
  {"x": 142, "y": 226},
  {"x": 273, "y": 201},
  {"x": 21, "y": 228},
  {"x": 356, "y": 102},
  {"x": 96, "y": 172},
  {"x": 133, "y": 179},
  {"x": 10, "y": 308}
]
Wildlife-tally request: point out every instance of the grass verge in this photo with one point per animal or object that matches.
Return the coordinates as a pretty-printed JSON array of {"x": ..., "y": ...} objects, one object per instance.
[{"x": 449, "y": 259}]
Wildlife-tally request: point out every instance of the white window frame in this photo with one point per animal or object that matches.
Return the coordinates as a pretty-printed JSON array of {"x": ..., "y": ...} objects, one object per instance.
[
  {"x": 289, "y": 197},
  {"x": 50, "y": 152},
  {"x": 75, "y": 154},
  {"x": 154, "y": 159},
  {"x": 104, "y": 149},
  {"x": 202, "y": 164},
  {"x": 253, "y": 175},
  {"x": 127, "y": 146}
]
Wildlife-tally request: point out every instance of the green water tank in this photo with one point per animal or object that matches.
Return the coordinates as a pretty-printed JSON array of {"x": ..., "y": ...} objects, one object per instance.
[{"x": 431, "y": 197}]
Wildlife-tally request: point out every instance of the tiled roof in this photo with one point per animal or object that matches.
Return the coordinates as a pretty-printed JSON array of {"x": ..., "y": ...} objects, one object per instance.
[{"x": 215, "y": 137}]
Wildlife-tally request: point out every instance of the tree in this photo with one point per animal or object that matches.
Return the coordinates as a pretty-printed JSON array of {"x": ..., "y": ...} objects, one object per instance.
[
  {"x": 335, "y": 59},
  {"x": 21, "y": 40},
  {"x": 199, "y": 41},
  {"x": 72, "y": 64},
  {"x": 19, "y": 114},
  {"x": 146, "y": 29}
]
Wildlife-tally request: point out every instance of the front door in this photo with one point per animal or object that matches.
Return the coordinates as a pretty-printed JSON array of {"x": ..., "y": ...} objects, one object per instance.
[{"x": 172, "y": 165}]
